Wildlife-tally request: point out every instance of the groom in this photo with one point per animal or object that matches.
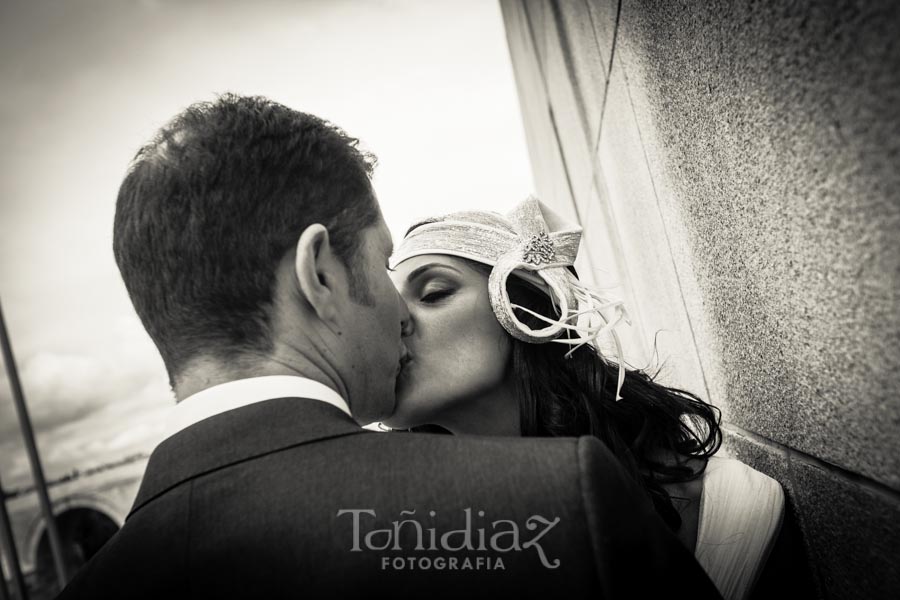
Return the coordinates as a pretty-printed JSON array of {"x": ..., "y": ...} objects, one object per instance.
[{"x": 251, "y": 243}]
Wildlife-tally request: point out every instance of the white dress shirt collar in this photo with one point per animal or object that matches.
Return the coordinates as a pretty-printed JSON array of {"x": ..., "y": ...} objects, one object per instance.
[{"x": 242, "y": 392}]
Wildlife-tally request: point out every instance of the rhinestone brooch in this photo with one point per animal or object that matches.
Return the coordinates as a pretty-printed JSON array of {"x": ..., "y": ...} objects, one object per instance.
[{"x": 539, "y": 249}]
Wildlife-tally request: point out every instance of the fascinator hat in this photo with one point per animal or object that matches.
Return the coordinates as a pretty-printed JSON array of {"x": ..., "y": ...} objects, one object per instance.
[{"x": 533, "y": 243}]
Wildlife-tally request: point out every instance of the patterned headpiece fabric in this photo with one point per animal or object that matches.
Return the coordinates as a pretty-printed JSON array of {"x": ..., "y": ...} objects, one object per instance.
[{"x": 535, "y": 244}]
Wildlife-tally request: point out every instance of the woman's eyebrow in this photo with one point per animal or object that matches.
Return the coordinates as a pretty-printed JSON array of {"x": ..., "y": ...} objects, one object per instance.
[{"x": 418, "y": 271}]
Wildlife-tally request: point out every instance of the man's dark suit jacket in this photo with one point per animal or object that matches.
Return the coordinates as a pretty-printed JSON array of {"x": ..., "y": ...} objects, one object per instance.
[{"x": 248, "y": 504}]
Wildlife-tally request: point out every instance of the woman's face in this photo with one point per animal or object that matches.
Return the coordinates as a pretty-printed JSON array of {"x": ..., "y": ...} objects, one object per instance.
[{"x": 458, "y": 350}]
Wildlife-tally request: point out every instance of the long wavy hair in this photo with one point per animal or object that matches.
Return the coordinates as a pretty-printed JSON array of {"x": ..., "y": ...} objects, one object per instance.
[{"x": 654, "y": 431}]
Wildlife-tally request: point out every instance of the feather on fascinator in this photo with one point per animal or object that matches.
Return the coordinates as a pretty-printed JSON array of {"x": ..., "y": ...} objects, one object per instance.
[{"x": 535, "y": 244}]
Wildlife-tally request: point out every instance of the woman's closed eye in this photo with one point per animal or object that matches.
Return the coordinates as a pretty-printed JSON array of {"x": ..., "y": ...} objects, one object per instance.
[{"x": 435, "y": 295}]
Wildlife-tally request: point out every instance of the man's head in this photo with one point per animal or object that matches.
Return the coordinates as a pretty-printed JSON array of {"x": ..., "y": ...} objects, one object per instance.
[{"x": 209, "y": 238}]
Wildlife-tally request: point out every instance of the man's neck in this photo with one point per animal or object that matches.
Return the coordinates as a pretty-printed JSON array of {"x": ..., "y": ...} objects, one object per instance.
[{"x": 205, "y": 373}]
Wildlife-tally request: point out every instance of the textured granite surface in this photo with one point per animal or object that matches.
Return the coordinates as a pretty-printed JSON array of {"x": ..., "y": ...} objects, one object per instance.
[
  {"x": 586, "y": 42},
  {"x": 776, "y": 129},
  {"x": 551, "y": 180},
  {"x": 635, "y": 224}
]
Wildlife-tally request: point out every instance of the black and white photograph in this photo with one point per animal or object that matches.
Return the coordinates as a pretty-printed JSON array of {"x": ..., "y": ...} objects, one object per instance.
[{"x": 450, "y": 299}]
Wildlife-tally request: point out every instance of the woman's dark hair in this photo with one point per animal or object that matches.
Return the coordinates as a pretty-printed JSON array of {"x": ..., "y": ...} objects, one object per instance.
[{"x": 654, "y": 430}]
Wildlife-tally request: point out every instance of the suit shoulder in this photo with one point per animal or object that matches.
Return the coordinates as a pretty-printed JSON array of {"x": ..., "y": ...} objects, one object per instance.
[
  {"x": 527, "y": 456},
  {"x": 507, "y": 445}
]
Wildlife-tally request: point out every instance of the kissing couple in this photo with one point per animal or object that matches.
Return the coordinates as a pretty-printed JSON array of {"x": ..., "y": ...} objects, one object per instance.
[{"x": 520, "y": 461}]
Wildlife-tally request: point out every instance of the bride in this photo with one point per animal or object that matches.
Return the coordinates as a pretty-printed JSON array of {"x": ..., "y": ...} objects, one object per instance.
[{"x": 502, "y": 341}]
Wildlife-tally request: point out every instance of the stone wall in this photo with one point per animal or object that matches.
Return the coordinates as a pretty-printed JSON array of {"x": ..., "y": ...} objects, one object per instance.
[{"x": 736, "y": 168}]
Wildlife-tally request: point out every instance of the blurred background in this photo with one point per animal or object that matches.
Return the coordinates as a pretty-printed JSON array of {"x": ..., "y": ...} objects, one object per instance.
[{"x": 427, "y": 86}]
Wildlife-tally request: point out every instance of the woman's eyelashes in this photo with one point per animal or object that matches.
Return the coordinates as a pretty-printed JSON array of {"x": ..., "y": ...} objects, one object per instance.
[{"x": 432, "y": 294}]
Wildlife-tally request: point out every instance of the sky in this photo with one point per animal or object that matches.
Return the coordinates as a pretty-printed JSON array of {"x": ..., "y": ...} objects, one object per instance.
[{"x": 427, "y": 86}]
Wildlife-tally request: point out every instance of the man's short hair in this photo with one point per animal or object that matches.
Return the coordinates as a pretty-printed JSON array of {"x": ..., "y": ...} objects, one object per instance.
[{"x": 212, "y": 205}]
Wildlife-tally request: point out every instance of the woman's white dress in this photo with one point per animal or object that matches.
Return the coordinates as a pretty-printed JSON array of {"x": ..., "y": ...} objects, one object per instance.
[{"x": 741, "y": 511}]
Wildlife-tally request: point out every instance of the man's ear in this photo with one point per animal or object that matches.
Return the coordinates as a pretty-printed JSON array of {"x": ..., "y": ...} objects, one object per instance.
[{"x": 317, "y": 268}]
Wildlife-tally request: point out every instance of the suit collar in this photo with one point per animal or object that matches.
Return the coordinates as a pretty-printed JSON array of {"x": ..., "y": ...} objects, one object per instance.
[
  {"x": 237, "y": 435},
  {"x": 242, "y": 392}
]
